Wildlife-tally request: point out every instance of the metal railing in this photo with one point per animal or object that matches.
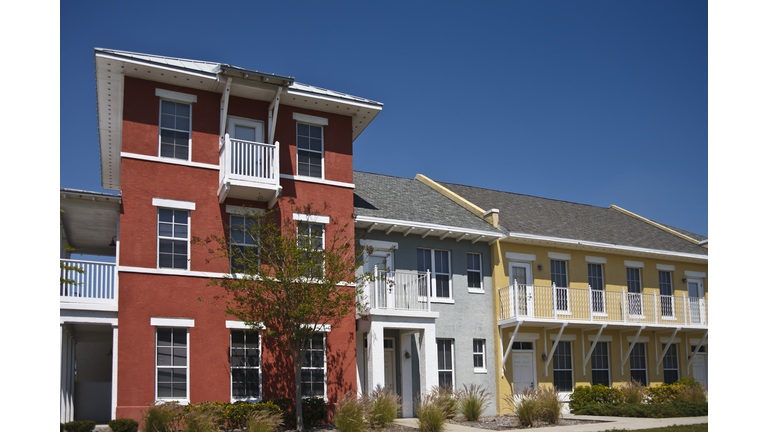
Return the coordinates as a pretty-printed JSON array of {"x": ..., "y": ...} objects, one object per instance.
[
  {"x": 398, "y": 290},
  {"x": 95, "y": 285},
  {"x": 250, "y": 161},
  {"x": 586, "y": 304}
]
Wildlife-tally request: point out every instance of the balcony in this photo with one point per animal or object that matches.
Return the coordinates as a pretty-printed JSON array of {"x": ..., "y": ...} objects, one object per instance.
[
  {"x": 399, "y": 293},
  {"x": 249, "y": 170},
  {"x": 95, "y": 289},
  {"x": 551, "y": 303}
]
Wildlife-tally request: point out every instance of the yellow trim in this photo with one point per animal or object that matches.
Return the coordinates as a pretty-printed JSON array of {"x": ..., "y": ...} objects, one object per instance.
[
  {"x": 657, "y": 225},
  {"x": 491, "y": 218}
]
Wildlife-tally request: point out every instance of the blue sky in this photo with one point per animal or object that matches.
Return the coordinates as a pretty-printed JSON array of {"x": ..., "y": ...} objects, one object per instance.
[{"x": 594, "y": 102}]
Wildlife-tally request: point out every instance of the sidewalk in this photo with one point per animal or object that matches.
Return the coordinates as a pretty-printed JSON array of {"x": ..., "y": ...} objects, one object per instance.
[{"x": 630, "y": 423}]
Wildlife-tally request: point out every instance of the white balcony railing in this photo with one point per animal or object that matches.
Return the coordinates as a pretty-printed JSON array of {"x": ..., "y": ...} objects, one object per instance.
[
  {"x": 586, "y": 304},
  {"x": 96, "y": 285},
  {"x": 393, "y": 290},
  {"x": 250, "y": 161}
]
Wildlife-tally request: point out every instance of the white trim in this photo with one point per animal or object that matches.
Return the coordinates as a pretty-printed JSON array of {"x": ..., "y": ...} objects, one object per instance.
[
  {"x": 695, "y": 274},
  {"x": 525, "y": 337},
  {"x": 175, "y": 96},
  {"x": 420, "y": 225},
  {"x": 480, "y": 290},
  {"x": 595, "y": 260},
  {"x": 241, "y": 325},
  {"x": 665, "y": 267},
  {"x": 173, "y": 204},
  {"x": 379, "y": 244},
  {"x": 311, "y": 218},
  {"x": 244, "y": 211},
  {"x": 170, "y": 272},
  {"x": 318, "y": 180},
  {"x": 559, "y": 256},
  {"x": 591, "y": 338},
  {"x": 169, "y": 161},
  {"x": 520, "y": 256},
  {"x": 634, "y": 264},
  {"x": 640, "y": 339},
  {"x": 172, "y": 322},
  {"x": 565, "y": 337},
  {"x": 310, "y": 119}
]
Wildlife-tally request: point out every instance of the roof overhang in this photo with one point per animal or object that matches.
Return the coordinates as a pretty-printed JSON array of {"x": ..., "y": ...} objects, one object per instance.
[
  {"x": 565, "y": 243},
  {"x": 113, "y": 66},
  {"x": 422, "y": 229},
  {"x": 90, "y": 220}
]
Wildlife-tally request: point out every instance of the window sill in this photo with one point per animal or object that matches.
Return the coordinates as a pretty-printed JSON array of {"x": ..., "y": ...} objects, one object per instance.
[
  {"x": 442, "y": 300},
  {"x": 317, "y": 180},
  {"x": 481, "y": 371},
  {"x": 178, "y": 401},
  {"x": 475, "y": 290}
]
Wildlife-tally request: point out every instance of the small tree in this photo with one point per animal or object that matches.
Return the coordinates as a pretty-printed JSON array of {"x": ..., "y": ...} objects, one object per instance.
[{"x": 296, "y": 275}]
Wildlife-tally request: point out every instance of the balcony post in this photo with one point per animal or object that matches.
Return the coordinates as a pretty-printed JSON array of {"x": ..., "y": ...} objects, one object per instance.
[
  {"x": 589, "y": 302},
  {"x": 513, "y": 293},
  {"x": 655, "y": 311},
  {"x": 623, "y": 304},
  {"x": 429, "y": 292},
  {"x": 686, "y": 305},
  {"x": 375, "y": 284},
  {"x": 554, "y": 301}
]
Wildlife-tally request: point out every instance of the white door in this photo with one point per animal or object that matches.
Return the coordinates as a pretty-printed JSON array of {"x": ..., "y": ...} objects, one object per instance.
[
  {"x": 382, "y": 293},
  {"x": 521, "y": 273},
  {"x": 249, "y": 157},
  {"x": 700, "y": 371},
  {"x": 695, "y": 296},
  {"x": 389, "y": 364},
  {"x": 522, "y": 371}
]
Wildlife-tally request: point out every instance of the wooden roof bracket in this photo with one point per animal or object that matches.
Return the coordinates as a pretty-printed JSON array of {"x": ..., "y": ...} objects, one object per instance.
[
  {"x": 588, "y": 356},
  {"x": 509, "y": 347},
  {"x": 632, "y": 345},
  {"x": 659, "y": 359},
  {"x": 224, "y": 109},
  {"x": 696, "y": 351},
  {"x": 554, "y": 347}
]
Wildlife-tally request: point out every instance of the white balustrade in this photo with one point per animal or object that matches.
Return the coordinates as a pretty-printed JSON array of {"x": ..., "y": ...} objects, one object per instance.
[
  {"x": 95, "y": 285},
  {"x": 399, "y": 290},
  {"x": 251, "y": 161}
]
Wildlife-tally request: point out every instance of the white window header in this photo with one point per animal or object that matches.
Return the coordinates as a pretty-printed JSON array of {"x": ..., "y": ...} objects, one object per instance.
[
  {"x": 602, "y": 338},
  {"x": 304, "y": 118},
  {"x": 520, "y": 256},
  {"x": 172, "y": 322},
  {"x": 174, "y": 204},
  {"x": 175, "y": 96},
  {"x": 244, "y": 211},
  {"x": 665, "y": 267},
  {"x": 241, "y": 325},
  {"x": 565, "y": 337},
  {"x": 525, "y": 337},
  {"x": 311, "y": 218},
  {"x": 695, "y": 274},
  {"x": 559, "y": 256},
  {"x": 636, "y": 264},
  {"x": 596, "y": 260}
]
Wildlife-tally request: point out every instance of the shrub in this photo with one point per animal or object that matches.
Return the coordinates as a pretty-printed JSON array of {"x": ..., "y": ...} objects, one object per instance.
[
  {"x": 694, "y": 393},
  {"x": 472, "y": 401},
  {"x": 124, "y": 425},
  {"x": 200, "y": 421},
  {"x": 80, "y": 426},
  {"x": 384, "y": 406},
  {"x": 430, "y": 411},
  {"x": 313, "y": 409},
  {"x": 549, "y": 405},
  {"x": 526, "y": 406},
  {"x": 161, "y": 418},
  {"x": 263, "y": 421},
  {"x": 596, "y": 394},
  {"x": 351, "y": 413},
  {"x": 447, "y": 399},
  {"x": 633, "y": 392},
  {"x": 662, "y": 410}
]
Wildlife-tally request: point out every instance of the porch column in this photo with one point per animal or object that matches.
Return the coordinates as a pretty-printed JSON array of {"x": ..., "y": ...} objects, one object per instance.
[
  {"x": 376, "y": 356},
  {"x": 67, "y": 363},
  {"x": 428, "y": 359},
  {"x": 114, "y": 370},
  {"x": 406, "y": 382}
]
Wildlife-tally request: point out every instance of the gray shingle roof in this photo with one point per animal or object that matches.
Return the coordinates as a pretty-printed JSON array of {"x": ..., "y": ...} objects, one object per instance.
[
  {"x": 546, "y": 217},
  {"x": 398, "y": 198}
]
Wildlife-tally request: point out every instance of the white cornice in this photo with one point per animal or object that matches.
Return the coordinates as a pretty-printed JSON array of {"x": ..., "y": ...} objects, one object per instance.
[{"x": 422, "y": 225}]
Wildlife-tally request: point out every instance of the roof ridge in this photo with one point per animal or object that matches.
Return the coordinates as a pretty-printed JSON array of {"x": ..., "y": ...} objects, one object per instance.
[{"x": 526, "y": 195}]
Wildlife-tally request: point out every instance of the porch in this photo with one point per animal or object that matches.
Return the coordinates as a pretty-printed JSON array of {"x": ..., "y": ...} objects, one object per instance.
[
  {"x": 92, "y": 288},
  {"x": 402, "y": 293},
  {"x": 249, "y": 170},
  {"x": 552, "y": 303}
]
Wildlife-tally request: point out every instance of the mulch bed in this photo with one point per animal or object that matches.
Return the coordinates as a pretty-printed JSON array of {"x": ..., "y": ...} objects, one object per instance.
[{"x": 507, "y": 422}]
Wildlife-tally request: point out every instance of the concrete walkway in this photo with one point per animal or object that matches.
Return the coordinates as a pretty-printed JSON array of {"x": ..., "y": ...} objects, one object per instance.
[{"x": 629, "y": 423}]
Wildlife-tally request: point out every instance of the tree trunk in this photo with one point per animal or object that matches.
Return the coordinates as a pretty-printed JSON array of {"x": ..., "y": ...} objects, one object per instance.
[{"x": 298, "y": 359}]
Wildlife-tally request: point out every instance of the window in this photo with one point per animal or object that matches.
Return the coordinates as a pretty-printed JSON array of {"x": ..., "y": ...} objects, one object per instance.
[
  {"x": 172, "y": 238},
  {"x": 600, "y": 364},
  {"x": 665, "y": 289},
  {"x": 245, "y": 364},
  {"x": 242, "y": 244},
  {"x": 671, "y": 372},
  {"x": 437, "y": 262},
  {"x": 313, "y": 369},
  {"x": 474, "y": 272},
  {"x": 562, "y": 366},
  {"x": 637, "y": 363},
  {"x": 311, "y": 236},
  {"x": 175, "y": 129},
  {"x": 309, "y": 149},
  {"x": 445, "y": 363},
  {"x": 478, "y": 354},
  {"x": 595, "y": 279},
  {"x": 634, "y": 287},
  {"x": 171, "y": 351},
  {"x": 560, "y": 279}
]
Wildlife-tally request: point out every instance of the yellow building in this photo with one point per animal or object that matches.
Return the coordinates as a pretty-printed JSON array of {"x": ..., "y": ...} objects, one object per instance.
[{"x": 588, "y": 295}]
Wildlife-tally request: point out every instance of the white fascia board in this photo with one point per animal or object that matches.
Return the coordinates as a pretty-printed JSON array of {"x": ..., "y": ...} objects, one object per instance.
[
  {"x": 616, "y": 247},
  {"x": 335, "y": 99},
  {"x": 157, "y": 66},
  {"x": 412, "y": 224}
]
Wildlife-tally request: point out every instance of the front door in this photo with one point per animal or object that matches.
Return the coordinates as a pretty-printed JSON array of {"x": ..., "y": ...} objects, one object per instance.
[
  {"x": 521, "y": 273},
  {"x": 695, "y": 297},
  {"x": 522, "y": 371},
  {"x": 700, "y": 371},
  {"x": 389, "y": 364},
  {"x": 382, "y": 291}
]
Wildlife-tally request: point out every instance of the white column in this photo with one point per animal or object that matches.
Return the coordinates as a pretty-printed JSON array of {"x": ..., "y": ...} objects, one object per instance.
[
  {"x": 363, "y": 326},
  {"x": 376, "y": 356},
  {"x": 406, "y": 365},
  {"x": 428, "y": 359},
  {"x": 114, "y": 372}
]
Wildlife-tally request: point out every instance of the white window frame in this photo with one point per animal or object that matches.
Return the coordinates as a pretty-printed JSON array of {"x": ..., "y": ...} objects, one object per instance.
[
  {"x": 645, "y": 361},
  {"x": 677, "y": 361},
  {"x": 449, "y": 343},
  {"x": 639, "y": 295},
  {"x": 173, "y": 323},
  {"x": 597, "y": 291},
  {"x": 311, "y": 121},
  {"x": 160, "y": 237},
  {"x": 479, "y": 271},
  {"x": 560, "y": 258},
  {"x": 176, "y": 98},
  {"x": 323, "y": 333},
  {"x": 608, "y": 361},
  {"x": 433, "y": 276},
  {"x": 475, "y": 353},
  {"x": 233, "y": 243},
  {"x": 244, "y": 328},
  {"x": 554, "y": 364},
  {"x": 672, "y": 316}
]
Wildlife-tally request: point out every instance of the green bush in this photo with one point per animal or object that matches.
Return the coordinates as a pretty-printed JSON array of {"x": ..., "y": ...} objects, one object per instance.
[
  {"x": 264, "y": 421},
  {"x": 472, "y": 401},
  {"x": 162, "y": 418},
  {"x": 526, "y": 406},
  {"x": 384, "y": 406},
  {"x": 596, "y": 394},
  {"x": 80, "y": 426},
  {"x": 314, "y": 410},
  {"x": 431, "y": 411},
  {"x": 633, "y": 392},
  {"x": 234, "y": 415},
  {"x": 124, "y": 425},
  {"x": 550, "y": 407},
  {"x": 661, "y": 410},
  {"x": 351, "y": 413},
  {"x": 447, "y": 399},
  {"x": 200, "y": 421}
]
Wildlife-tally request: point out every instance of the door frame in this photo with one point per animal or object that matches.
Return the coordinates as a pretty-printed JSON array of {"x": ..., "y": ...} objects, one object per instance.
[
  {"x": 235, "y": 120},
  {"x": 528, "y": 266},
  {"x": 534, "y": 372}
]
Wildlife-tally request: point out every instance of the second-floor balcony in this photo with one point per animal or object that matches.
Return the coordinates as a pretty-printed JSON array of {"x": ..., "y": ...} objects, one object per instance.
[
  {"x": 552, "y": 303},
  {"x": 93, "y": 289},
  {"x": 249, "y": 170},
  {"x": 398, "y": 292}
]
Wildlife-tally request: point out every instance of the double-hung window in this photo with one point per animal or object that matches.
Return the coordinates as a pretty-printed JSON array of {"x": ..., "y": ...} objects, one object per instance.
[
  {"x": 665, "y": 289},
  {"x": 562, "y": 367},
  {"x": 172, "y": 238},
  {"x": 671, "y": 368},
  {"x": 560, "y": 280},
  {"x": 637, "y": 368},
  {"x": 309, "y": 149},
  {"x": 175, "y": 129},
  {"x": 313, "y": 368},
  {"x": 171, "y": 366},
  {"x": 474, "y": 272},
  {"x": 478, "y": 354},
  {"x": 311, "y": 237},
  {"x": 600, "y": 365},
  {"x": 245, "y": 364},
  {"x": 445, "y": 363},
  {"x": 438, "y": 263},
  {"x": 243, "y": 242}
]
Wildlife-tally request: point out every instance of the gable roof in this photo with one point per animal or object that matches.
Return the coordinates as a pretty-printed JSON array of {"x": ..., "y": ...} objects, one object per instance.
[
  {"x": 407, "y": 205},
  {"x": 527, "y": 215}
]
